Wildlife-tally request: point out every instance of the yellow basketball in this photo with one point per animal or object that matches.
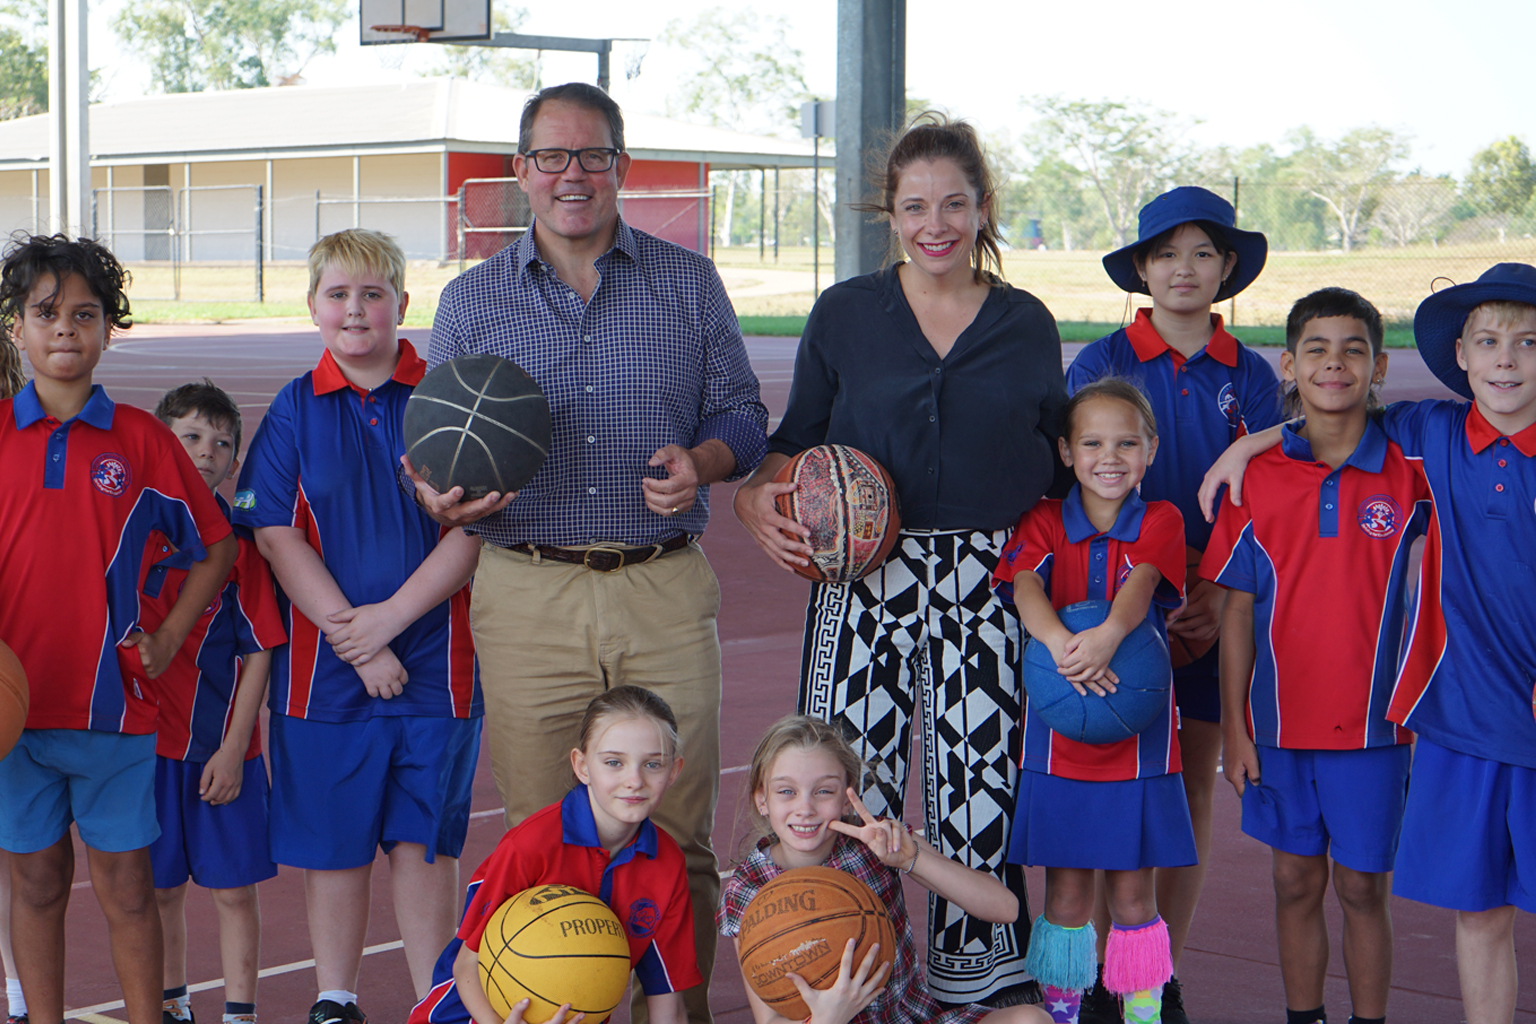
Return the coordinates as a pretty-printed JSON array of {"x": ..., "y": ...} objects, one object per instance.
[{"x": 554, "y": 944}]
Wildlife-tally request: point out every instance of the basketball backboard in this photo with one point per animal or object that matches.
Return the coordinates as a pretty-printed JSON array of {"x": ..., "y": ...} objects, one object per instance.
[{"x": 442, "y": 20}]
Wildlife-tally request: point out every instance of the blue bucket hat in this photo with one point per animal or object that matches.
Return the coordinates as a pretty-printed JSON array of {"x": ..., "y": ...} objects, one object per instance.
[
  {"x": 1180, "y": 206},
  {"x": 1439, "y": 319}
]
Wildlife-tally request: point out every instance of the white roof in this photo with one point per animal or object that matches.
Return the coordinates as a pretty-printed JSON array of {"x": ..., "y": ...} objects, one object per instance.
[{"x": 427, "y": 116}]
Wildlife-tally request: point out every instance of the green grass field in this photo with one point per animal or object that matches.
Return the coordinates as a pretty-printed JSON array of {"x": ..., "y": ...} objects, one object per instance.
[{"x": 773, "y": 298}]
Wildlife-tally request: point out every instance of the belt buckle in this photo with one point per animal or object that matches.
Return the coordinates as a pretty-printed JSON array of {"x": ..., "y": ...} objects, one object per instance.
[{"x": 608, "y": 559}]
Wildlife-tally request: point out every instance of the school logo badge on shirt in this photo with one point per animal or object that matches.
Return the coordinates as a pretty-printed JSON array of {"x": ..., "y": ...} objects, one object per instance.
[
  {"x": 1380, "y": 516},
  {"x": 1226, "y": 401},
  {"x": 110, "y": 474},
  {"x": 644, "y": 916},
  {"x": 245, "y": 499}
]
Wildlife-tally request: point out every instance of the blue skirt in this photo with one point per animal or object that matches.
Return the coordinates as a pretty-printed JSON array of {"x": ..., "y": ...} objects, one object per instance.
[{"x": 1118, "y": 826}]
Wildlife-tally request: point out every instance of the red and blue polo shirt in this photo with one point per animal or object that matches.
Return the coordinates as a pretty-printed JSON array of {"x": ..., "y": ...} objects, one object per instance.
[
  {"x": 324, "y": 462},
  {"x": 1056, "y": 540},
  {"x": 1325, "y": 553},
  {"x": 1469, "y": 672},
  {"x": 83, "y": 498},
  {"x": 1202, "y": 404},
  {"x": 197, "y": 688},
  {"x": 645, "y": 883}
]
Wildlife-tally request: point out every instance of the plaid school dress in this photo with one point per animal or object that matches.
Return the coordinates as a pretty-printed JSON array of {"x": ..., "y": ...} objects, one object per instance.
[{"x": 906, "y": 999}]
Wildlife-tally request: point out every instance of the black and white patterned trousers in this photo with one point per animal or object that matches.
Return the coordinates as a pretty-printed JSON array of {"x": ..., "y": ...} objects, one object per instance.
[{"x": 923, "y": 640}]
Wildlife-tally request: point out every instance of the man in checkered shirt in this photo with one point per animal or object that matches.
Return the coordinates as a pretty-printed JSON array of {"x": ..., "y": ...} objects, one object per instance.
[{"x": 592, "y": 576}]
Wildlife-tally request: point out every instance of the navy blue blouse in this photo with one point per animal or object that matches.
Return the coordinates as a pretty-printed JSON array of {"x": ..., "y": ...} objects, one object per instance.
[{"x": 970, "y": 439}]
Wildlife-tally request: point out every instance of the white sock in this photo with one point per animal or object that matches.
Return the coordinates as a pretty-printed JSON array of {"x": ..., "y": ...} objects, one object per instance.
[
  {"x": 13, "y": 996},
  {"x": 338, "y": 995}
]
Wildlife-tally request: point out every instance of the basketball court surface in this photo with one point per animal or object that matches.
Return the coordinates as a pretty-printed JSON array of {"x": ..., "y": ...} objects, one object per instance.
[{"x": 1229, "y": 972}]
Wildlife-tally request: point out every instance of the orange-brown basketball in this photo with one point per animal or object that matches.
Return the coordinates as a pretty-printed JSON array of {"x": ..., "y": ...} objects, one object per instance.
[
  {"x": 849, "y": 502},
  {"x": 1182, "y": 650},
  {"x": 13, "y": 699},
  {"x": 800, "y": 922}
]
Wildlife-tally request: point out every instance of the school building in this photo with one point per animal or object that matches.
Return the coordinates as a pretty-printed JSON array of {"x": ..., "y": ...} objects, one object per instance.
[{"x": 261, "y": 173}]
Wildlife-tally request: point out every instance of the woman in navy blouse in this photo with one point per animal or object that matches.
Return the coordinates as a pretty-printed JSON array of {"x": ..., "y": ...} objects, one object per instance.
[{"x": 953, "y": 381}]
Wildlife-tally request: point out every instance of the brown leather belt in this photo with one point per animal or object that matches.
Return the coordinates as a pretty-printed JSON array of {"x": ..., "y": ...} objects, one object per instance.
[{"x": 608, "y": 558}]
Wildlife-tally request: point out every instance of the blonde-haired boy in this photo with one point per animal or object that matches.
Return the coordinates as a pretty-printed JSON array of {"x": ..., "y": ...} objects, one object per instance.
[{"x": 375, "y": 700}]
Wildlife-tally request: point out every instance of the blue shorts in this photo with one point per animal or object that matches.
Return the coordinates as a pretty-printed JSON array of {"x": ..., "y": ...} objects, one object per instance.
[
  {"x": 1469, "y": 835},
  {"x": 1344, "y": 803},
  {"x": 102, "y": 781},
  {"x": 340, "y": 790},
  {"x": 223, "y": 847},
  {"x": 1196, "y": 688},
  {"x": 1118, "y": 826}
]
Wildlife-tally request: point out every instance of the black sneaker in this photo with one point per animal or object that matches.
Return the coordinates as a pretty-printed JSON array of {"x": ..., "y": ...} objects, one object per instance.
[
  {"x": 1173, "y": 1002},
  {"x": 16, "y": 1018},
  {"x": 328, "y": 1011},
  {"x": 1100, "y": 1005},
  {"x": 167, "y": 1016}
]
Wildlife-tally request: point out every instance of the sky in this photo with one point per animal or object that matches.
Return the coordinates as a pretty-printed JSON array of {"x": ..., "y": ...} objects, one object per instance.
[{"x": 1248, "y": 71}]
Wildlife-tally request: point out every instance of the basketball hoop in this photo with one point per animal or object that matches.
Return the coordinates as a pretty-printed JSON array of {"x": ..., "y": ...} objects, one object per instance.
[
  {"x": 394, "y": 60},
  {"x": 416, "y": 33}
]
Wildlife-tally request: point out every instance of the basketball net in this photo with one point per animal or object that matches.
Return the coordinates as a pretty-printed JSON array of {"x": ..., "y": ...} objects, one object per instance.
[
  {"x": 394, "y": 56},
  {"x": 634, "y": 55}
]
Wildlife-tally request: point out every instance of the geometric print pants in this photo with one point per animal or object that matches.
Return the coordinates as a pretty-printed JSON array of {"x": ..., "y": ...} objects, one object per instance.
[{"x": 923, "y": 642}]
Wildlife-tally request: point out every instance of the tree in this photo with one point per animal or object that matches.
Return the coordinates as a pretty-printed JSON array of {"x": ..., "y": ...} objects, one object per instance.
[
  {"x": 23, "y": 60},
  {"x": 744, "y": 75},
  {"x": 1347, "y": 176},
  {"x": 491, "y": 63},
  {"x": 192, "y": 45},
  {"x": 1125, "y": 153},
  {"x": 1501, "y": 181},
  {"x": 1413, "y": 207}
]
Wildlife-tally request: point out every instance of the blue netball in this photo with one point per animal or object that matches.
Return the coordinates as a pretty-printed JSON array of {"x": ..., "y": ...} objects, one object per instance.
[{"x": 1141, "y": 663}]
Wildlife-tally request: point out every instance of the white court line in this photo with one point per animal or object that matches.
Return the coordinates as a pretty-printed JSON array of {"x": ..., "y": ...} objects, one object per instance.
[
  {"x": 299, "y": 965},
  {"x": 203, "y": 986}
]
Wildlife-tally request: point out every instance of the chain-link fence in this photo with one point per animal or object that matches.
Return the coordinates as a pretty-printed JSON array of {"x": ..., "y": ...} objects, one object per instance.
[
  {"x": 157, "y": 231},
  {"x": 494, "y": 212},
  {"x": 1387, "y": 240}
]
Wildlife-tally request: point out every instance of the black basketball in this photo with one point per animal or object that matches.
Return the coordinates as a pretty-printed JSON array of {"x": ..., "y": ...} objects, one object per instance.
[{"x": 477, "y": 422}]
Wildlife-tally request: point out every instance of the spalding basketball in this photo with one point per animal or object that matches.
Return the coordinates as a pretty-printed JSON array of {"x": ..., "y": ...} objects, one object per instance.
[
  {"x": 13, "y": 699},
  {"x": 554, "y": 944},
  {"x": 849, "y": 502},
  {"x": 477, "y": 422},
  {"x": 1184, "y": 650},
  {"x": 1140, "y": 663},
  {"x": 801, "y": 921}
]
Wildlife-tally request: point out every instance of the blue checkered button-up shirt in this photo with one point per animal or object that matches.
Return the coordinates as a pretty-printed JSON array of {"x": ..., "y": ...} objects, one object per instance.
[{"x": 654, "y": 358}]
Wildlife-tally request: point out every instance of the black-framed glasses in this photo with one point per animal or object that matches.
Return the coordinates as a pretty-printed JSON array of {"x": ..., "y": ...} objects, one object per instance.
[{"x": 594, "y": 161}]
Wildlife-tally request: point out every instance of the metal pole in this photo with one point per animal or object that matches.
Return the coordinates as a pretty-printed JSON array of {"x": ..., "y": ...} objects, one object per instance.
[
  {"x": 460, "y": 206},
  {"x": 816, "y": 216},
  {"x": 261, "y": 295},
  {"x": 710, "y": 251},
  {"x": 762, "y": 217},
  {"x": 1232, "y": 304},
  {"x": 871, "y": 101},
  {"x": 603, "y": 78},
  {"x": 317, "y": 215},
  {"x": 775, "y": 215}
]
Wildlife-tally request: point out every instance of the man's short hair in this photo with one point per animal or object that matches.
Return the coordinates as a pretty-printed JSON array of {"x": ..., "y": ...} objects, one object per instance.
[
  {"x": 582, "y": 95},
  {"x": 358, "y": 250},
  {"x": 203, "y": 398}
]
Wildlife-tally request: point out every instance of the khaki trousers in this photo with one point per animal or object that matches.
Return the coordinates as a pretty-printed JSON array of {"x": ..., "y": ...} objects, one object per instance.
[{"x": 551, "y": 636}]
